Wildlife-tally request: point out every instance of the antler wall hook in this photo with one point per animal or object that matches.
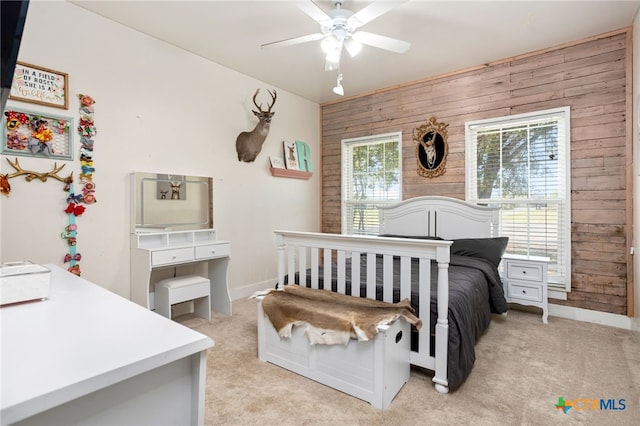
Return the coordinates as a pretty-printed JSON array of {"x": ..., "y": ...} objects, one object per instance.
[{"x": 31, "y": 175}]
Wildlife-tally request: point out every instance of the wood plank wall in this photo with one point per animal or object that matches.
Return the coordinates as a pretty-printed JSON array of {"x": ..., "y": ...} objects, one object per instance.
[{"x": 590, "y": 76}]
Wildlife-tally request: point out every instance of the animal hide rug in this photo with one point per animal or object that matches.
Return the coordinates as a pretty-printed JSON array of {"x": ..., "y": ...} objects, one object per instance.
[{"x": 332, "y": 318}]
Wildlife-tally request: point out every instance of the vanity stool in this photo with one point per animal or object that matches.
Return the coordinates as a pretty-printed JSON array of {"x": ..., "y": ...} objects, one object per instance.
[{"x": 183, "y": 289}]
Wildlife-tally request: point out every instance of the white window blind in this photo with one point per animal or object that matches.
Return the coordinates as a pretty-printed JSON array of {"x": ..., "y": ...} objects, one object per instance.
[
  {"x": 521, "y": 164},
  {"x": 371, "y": 177}
]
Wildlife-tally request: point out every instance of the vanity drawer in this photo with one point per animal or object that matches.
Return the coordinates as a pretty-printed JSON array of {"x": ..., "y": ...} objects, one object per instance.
[
  {"x": 525, "y": 271},
  {"x": 213, "y": 250},
  {"x": 166, "y": 257},
  {"x": 523, "y": 291}
]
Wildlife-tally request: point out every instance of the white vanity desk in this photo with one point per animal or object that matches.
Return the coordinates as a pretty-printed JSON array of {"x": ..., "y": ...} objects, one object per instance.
[
  {"x": 88, "y": 356},
  {"x": 157, "y": 255}
]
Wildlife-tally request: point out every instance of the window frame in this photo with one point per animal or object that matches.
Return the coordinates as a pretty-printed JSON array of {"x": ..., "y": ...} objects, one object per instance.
[
  {"x": 556, "y": 289},
  {"x": 345, "y": 146}
]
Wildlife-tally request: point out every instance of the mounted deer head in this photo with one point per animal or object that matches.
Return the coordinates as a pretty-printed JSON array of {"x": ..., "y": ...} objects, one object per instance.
[{"x": 249, "y": 144}]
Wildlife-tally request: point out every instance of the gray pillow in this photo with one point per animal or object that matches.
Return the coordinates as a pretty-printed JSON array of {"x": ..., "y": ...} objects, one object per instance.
[{"x": 490, "y": 249}]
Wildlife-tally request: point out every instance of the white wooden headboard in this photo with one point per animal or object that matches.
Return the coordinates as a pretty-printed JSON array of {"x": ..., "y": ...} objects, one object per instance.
[{"x": 437, "y": 216}]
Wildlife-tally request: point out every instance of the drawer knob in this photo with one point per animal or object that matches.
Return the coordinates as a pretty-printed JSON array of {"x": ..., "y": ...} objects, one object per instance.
[
  {"x": 173, "y": 256},
  {"x": 524, "y": 272},
  {"x": 213, "y": 251},
  {"x": 524, "y": 291}
]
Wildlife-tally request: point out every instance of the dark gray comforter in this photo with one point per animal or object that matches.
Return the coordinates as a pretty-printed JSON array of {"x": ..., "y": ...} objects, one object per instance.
[{"x": 475, "y": 292}]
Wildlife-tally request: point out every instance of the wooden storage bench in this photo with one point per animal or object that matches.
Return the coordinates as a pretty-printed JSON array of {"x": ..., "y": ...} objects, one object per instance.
[{"x": 373, "y": 371}]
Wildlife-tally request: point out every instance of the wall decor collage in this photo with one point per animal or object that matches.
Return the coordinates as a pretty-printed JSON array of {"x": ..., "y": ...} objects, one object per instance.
[
  {"x": 49, "y": 136},
  {"x": 297, "y": 156}
]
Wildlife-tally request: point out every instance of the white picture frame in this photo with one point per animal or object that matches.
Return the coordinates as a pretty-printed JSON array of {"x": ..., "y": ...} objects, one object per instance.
[
  {"x": 291, "y": 155},
  {"x": 276, "y": 162}
]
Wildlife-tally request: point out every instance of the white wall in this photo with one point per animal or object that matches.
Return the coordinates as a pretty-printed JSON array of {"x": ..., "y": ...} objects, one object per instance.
[{"x": 159, "y": 109}]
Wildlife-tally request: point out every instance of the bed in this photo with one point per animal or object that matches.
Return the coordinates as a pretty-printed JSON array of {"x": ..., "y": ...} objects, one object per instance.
[{"x": 429, "y": 248}]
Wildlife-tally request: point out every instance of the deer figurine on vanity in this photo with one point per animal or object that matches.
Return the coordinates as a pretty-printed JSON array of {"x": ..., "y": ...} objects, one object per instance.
[{"x": 249, "y": 144}]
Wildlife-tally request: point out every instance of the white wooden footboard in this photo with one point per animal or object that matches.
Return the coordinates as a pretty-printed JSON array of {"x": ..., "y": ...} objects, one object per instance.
[{"x": 305, "y": 252}]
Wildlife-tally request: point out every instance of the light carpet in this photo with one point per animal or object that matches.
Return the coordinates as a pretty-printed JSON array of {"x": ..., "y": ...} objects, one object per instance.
[{"x": 522, "y": 367}]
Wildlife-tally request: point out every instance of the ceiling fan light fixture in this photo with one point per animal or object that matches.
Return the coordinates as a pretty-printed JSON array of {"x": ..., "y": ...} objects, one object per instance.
[
  {"x": 353, "y": 46},
  {"x": 338, "y": 28},
  {"x": 339, "y": 90},
  {"x": 329, "y": 44},
  {"x": 332, "y": 60},
  {"x": 333, "y": 56}
]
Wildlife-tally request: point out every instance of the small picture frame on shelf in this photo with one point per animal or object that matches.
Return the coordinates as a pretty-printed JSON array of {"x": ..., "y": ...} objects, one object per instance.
[
  {"x": 276, "y": 162},
  {"x": 291, "y": 155}
]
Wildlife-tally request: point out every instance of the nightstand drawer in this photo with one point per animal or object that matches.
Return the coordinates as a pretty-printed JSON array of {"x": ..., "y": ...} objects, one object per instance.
[
  {"x": 525, "y": 271},
  {"x": 524, "y": 291},
  {"x": 213, "y": 251},
  {"x": 166, "y": 257}
]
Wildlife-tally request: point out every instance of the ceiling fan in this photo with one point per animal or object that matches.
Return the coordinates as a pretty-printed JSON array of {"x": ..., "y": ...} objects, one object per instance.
[{"x": 339, "y": 28}]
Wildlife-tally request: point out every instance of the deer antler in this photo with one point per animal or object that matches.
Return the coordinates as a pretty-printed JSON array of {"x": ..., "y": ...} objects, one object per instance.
[
  {"x": 273, "y": 100},
  {"x": 29, "y": 175},
  {"x": 254, "y": 100},
  {"x": 274, "y": 95}
]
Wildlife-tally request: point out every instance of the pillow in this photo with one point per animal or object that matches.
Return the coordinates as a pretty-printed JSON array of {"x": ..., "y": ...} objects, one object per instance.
[
  {"x": 417, "y": 237},
  {"x": 490, "y": 249}
]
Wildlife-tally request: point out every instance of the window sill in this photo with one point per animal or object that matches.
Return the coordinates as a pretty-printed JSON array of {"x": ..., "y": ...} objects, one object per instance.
[{"x": 557, "y": 294}]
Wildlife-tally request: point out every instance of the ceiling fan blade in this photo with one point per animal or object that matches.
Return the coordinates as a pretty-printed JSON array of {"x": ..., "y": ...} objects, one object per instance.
[
  {"x": 372, "y": 11},
  {"x": 382, "y": 42},
  {"x": 315, "y": 12},
  {"x": 292, "y": 41}
]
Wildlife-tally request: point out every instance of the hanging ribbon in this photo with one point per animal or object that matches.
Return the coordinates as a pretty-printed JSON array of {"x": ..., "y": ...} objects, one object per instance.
[
  {"x": 86, "y": 130},
  {"x": 71, "y": 231}
]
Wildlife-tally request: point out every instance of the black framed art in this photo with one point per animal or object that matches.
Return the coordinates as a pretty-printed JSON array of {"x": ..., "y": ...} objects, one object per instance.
[{"x": 431, "y": 148}]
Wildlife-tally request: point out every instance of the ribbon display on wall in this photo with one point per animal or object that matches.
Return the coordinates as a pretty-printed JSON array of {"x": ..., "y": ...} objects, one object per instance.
[
  {"x": 75, "y": 207},
  {"x": 86, "y": 130}
]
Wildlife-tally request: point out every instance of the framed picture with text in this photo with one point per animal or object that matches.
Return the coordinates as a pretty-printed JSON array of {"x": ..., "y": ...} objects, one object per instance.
[{"x": 40, "y": 85}]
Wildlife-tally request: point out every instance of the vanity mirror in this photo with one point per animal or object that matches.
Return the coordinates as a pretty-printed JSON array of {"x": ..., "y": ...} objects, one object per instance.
[{"x": 166, "y": 202}]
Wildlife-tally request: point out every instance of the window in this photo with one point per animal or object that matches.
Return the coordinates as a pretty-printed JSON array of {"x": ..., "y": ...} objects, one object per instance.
[
  {"x": 521, "y": 164},
  {"x": 371, "y": 177}
]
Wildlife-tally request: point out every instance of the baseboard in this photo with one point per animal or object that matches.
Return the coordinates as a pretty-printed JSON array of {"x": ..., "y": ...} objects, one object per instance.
[
  {"x": 587, "y": 315},
  {"x": 248, "y": 290}
]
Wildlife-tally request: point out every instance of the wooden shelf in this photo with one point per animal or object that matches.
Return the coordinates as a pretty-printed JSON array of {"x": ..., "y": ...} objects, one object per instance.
[{"x": 295, "y": 174}]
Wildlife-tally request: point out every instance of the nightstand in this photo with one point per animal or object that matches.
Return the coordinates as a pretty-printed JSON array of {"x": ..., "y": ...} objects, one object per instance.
[{"x": 525, "y": 281}]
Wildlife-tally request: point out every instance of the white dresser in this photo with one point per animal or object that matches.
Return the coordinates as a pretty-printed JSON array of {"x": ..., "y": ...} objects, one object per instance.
[
  {"x": 525, "y": 281},
  {"x": 88, "y": 356},
  {"x": 160, "y": 255}
]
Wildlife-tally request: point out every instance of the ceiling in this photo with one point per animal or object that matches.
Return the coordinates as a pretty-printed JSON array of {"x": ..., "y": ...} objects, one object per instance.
[{"x": 445, "y": 36}]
